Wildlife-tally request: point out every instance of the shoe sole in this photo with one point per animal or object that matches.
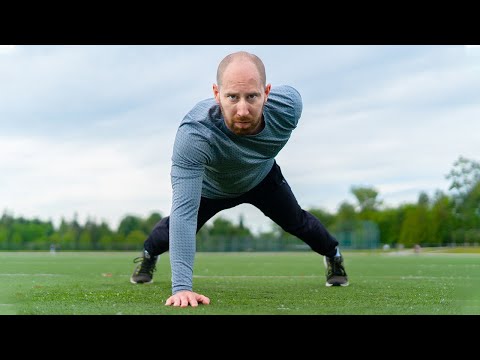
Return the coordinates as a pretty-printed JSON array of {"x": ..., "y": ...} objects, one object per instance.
[
  {"x": 135, "y": 282},
  {"x": 329, "y": 285}
]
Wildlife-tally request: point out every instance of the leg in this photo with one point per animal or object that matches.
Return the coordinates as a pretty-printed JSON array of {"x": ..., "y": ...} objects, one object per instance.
[
  {"x": 274, "y": 197},
  {"x": 157, "y": 241}
]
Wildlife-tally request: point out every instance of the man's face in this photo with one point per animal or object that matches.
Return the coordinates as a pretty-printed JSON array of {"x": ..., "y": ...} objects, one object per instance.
[{"x": 242, "y": 97}]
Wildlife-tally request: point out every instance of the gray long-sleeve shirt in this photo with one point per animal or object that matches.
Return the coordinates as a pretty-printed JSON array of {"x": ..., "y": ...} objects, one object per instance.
[{"x": 209, "y": 160}]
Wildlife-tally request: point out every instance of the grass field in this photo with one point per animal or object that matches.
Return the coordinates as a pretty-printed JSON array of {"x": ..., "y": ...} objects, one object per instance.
[{"x": 433, "y": 282}]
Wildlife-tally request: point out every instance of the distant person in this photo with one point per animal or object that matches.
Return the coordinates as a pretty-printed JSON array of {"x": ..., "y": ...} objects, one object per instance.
[{"x": 224, "y": 155}]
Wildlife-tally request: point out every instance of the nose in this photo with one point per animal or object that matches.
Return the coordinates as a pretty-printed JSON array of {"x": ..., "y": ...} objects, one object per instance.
[{"x": 242, "y": 108}]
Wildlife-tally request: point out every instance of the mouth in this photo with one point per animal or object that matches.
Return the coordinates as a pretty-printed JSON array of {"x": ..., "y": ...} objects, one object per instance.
[{"x": 242, "y": 119}]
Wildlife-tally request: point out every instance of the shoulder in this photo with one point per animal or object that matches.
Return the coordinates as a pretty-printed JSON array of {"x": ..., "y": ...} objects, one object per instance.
[
  {"x": 202, "y": 110},
  {"x": 201, "y": 116},
  {"x": 285, "y": 100},
  {"x": 201, "y": 119},
  {"x": 286, "y": 91},
  {"x": 194, "y": 134}
]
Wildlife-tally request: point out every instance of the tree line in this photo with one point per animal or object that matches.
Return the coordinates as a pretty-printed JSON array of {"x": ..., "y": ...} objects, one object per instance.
[{"x": 444, "y": 219}]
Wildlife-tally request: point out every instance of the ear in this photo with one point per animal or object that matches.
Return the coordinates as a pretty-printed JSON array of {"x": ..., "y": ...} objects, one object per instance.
[
  {"x": 216, "y": 93},
  {"x": 267, "y": 91}
]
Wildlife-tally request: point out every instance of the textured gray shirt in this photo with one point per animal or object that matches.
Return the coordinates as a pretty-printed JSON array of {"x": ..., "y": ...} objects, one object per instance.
[{"x": 209, "y": 160}]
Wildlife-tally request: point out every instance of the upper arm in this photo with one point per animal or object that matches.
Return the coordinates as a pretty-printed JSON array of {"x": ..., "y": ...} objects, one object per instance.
[
  {"x": 191, "y": 152},
  {"x": 287, "y": 103}
]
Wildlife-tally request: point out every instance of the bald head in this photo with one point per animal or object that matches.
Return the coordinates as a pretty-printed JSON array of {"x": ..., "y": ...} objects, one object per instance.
[
  {"x": 241, "y": 92},
  {"x": 239, "y": 57}
]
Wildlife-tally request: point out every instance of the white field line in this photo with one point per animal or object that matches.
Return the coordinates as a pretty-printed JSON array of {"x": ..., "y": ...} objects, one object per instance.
[
  {"x": 410, "y": 277},
  {"x": 20, "y": 274},
  {"x": 422, "y": 253},
  {"x": 258, "y": 276}
]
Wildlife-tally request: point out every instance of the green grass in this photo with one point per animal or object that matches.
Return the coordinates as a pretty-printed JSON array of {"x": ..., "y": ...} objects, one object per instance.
[{"x": 385, "y": 283}]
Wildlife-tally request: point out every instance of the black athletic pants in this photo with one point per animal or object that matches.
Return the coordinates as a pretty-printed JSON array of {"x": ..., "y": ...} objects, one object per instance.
[{"x": 275, "y": 199}]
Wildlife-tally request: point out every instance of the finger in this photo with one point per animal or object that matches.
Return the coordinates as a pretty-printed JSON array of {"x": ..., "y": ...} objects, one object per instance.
[
  {"x": 184, "y": 301},
  {"x": 169, "y": 301},
  {"x": 193, "y": 301},
  {"x": 203, "y": 299}
]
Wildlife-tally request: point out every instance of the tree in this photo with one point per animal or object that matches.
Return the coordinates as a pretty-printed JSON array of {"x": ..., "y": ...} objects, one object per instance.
[
  {"x": 464, "y": 176},
  {"x": 423, "y": 199},
  {"x": 366, "y": 197},
  {"x": 151, "y": 221},
  {"x": 346, "y": 217},
  {"x": 442, "y": 221},
  {"x": 128, "y": 224},
  {"x": 390, "y": 223},
  {"x": 325, "y": 217},
  {"x": 224, "y": 227},
  {"x": 416, "y": 227}
]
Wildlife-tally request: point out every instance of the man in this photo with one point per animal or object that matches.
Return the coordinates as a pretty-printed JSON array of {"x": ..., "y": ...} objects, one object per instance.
[{"x": 223, "y": 156}]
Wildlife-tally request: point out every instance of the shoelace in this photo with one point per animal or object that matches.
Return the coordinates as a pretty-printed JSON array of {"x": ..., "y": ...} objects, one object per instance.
[
  {"x": 148, "y": 266},
  {"x": 337, "y": 268}
]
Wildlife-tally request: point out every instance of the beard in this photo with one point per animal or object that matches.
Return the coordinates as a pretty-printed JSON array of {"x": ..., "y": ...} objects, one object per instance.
[{"x": 246, "y": 125}]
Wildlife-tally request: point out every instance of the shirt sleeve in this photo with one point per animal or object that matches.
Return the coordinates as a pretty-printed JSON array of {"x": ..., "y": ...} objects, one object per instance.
[
  {"x": 285, "y": 103},
  {"x": 190, "y": 154}
]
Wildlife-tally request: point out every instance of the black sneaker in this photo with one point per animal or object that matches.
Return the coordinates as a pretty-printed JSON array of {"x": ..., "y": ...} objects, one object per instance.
[
  {"x": 336, "y": 274},
  {"x": 143, "y": 273}
]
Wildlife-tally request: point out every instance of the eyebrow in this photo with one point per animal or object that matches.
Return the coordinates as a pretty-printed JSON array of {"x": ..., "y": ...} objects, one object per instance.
[{"x": 236, "y": 93}]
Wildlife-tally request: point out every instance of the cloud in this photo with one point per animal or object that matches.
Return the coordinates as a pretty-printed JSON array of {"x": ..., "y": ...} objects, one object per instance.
[
  {"x": 41, "y": 177},
  {"x": 4, "y": 49},
  {"x": 90, "y": 129}
]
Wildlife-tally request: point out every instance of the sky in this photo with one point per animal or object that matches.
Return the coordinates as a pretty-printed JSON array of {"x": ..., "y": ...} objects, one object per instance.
[{"x": 87, "y": 131}]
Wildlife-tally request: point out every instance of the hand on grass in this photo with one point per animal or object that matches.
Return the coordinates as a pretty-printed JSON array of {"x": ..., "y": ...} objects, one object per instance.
[{"x": 185, "y": 298}]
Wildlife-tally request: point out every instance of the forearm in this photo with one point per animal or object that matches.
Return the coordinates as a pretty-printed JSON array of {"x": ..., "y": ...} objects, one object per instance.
[
  {"x": 183, "y": 225},
  {"x": 182, "y": 253}
]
